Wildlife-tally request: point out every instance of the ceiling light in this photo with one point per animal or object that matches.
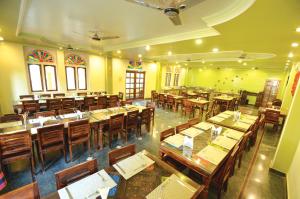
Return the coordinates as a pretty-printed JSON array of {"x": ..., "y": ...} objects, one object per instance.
[
  {"x": 198, "y": 41},
  {"x": 177, "y": 62},
  {"x": 288, "y": 60},
  {"x": 1, "y": 38},
  {"x": 245, "y": 64},
  {"x": 240, "y": 61},
  {"x": 140, "y": 55},
  {"x": 147, "y": 47},
  {"x": 298, "y": 29},
  {"x": 60, "y": 48},
  {"x": 295, "y": 44},
  {"x": 185, "y": 64},
  {"x": 170, "y": 53},
  {"x": 215, "y": 50},
  {"x": 203, "y": 62},
  {"x": 118, "y": 51},
  {"x": 291, "y": 55}
]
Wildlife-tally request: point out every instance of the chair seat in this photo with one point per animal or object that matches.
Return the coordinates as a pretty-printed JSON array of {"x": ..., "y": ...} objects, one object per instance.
[{"x": 7, "y": 159}]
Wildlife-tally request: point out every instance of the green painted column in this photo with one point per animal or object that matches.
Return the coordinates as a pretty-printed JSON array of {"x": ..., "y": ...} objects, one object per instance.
[{"x": 290, "y": 136}]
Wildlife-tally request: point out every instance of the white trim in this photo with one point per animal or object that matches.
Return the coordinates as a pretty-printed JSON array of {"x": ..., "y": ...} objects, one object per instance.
[{"x": 23, "y": 9}]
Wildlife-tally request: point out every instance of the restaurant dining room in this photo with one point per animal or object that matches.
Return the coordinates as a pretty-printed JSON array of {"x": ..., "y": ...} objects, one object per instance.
[{"x": 155, "y": 99}]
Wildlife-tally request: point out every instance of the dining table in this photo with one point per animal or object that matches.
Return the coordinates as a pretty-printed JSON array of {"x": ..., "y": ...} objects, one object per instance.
[
  {"x": 241, "y": 123},
  {"x": 283, "y": 112},
  {"x": 227, "y": 99},
  {"x": 202, "y": 148},
  {"x": 199, "y": 103},
  {"x": 156, "y": 179}
]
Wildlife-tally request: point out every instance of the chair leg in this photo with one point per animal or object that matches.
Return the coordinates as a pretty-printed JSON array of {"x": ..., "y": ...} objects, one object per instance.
[
  {"x": 240, "y": 160},
  {"x": 89, "y": 146},
  {"x": 32, "y": 168},
  {"x": 71, "y": 154},
  {"x": 42, "y": 161},
  {"x": 64, "y": 153}
]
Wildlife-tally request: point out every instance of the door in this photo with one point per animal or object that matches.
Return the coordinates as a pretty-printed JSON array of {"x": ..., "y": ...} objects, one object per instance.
[
  {"x": 135, "y": 85},
  {"x": 270, "y": 91}
]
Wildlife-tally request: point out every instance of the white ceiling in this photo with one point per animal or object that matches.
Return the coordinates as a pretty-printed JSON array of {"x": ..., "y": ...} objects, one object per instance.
[{"x": 68, "y": 22}]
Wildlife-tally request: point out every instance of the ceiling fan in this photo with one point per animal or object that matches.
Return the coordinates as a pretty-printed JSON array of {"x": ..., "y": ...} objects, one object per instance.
[
  {"x": 171, "y": 8},
  {"x": 96, "y": 37}
]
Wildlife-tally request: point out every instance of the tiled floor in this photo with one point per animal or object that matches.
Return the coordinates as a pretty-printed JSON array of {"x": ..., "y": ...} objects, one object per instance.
[{"x": 261, "y": 183}]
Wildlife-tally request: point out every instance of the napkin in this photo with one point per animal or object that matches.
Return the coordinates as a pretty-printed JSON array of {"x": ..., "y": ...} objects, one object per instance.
[{"x": 189, "y": 142}]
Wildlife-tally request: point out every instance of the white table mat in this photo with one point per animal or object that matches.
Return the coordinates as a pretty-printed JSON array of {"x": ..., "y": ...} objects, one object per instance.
[{"x": 212, "y": 154}]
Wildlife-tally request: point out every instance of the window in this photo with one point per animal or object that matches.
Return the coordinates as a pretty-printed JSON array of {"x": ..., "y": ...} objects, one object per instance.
[
  {"x": 176, "y": 79},
  {"x": 70, "y": 75},
  {"x": 35, "y": 76},
  {"x": 81, "y": 75},
  {"x": 50, "y": 78},
  {"x": 168, "y": 79},
  {"x": 135, "y": 84}
]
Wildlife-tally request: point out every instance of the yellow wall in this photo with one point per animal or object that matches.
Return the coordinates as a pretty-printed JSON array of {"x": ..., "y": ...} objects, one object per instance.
[
  {"x": 293, "y": 178},
  {"x": 14, "y": 78},
  {"x": 182, "y": 75}
]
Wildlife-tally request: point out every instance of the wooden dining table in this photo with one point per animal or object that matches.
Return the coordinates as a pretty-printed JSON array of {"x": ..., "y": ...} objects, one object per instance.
[
  {"x": 191, "y": 160},
  {"x": 144, "y": 182},
  {"x": 224, "y": 99},
  {"x": 226, "y": 119},
  {"x": 199, "y": 103}
]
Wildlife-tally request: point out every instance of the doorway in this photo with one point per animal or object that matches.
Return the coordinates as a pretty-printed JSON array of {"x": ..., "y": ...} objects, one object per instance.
[
  {"x": 270, "y": 91},
  {"x": 135, "y": 85}
]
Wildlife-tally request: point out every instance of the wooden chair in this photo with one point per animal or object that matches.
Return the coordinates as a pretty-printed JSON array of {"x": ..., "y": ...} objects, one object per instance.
[
  {"x": 116, "y": 127},
  {"x": 144, "y": 119},
  {"x": 170, "y": 102},
  {"x": 194, "y": 121},
  {"x": 102, "y": 102},
  {"x": 82, "y": 94},
  {"x": 272, "y": 117},
  {"x": 75, "y": 173},
  {"x": 31, "y": 106},
  {"x": 182, "y": 127},
  {"x": 58, "y": 95},
  {"x": 161, "y": 101},
  {"x": 166, "y": 133},
  {"x": 120, "y": 96},
  {"x": 78, "y": 133},
  {"x": 113, "y": 101},
  {"x": 66, "y": 111},
  {"x": 67, "y": 103},
  {"x": 51, "y": 138},
  {"x": 220, "y": 180},
  {"x": 276, "y": 102},
  {"x": 53, "y": 104},
  {"x": 16, "y": 146},
  {"x": 242, "y": 147},
  {"x": 45, "y": 96},
  {"x": 126, "y": 102},
  {"x": 151, "y": 105},
  {"x": 88, "y": 101},
  {"x": 116, "y": 155},
  {"x": 27, "y": 97},
  {"x": 94, "y": 107},
  {"x": 154, "y": 96},
  {"x": 29, "y": 191},
  {"x": 131, "y": 121},
  {"x": 187, "y": 108},
  {"x": 44, "y": 114},
  {"x": 10, "y": 118}
]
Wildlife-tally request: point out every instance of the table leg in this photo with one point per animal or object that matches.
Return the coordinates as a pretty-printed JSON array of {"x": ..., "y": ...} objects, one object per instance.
[
  {"x": 207, "y": 181},
  {"x": 100, "y": 137}
]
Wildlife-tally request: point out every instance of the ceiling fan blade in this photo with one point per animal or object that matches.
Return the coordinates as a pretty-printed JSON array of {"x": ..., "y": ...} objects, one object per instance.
[
  {"x": 109, "y": 37},
  {"x": 176, "y": 20},
  {"x": 148, "y": 3}
]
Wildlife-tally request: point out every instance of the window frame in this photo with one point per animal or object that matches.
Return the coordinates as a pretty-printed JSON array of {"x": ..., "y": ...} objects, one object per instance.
[
  {"x": 68, "y": 89},
  {"x": 80, "y": 67},
  {"x": 55, "y": 75},
  {"x": 176, "y": 79},
  {"x": 168, "y": 81},
  {"x": 30, "y": 80}
]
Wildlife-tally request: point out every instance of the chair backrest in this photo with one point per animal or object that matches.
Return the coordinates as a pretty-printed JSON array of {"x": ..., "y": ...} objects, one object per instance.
[
  {"x": 75, "y": 173},
  {"x": 116, "y": 122},
  {"x": 161, "y": 97},
  {"x": 146, "y": 115},
  {"x": 188, "y": 105},
  {"x": 58, "y": 95},
  {"x": 194, "y": 121},
  {"x": 53, "y": 104},
  {"x": 182, "y": 127},
  {"x": 89, "y": 101},
  {"x": 78, "y": 129},
  {"x": 272, "y": 115},
  {"x": 94, "y": 107},
  {"x": 28, "y": 191},
  {"x": 121, "y": 95},
  {"x": 66, "y": 111},
  {"x": 132, "y": 118},
  {"x": 67, "y": 103},
  {"x": 166, "y": 133},
  {"x": 51, "y": 135},
  {"x": 102, "y": 102},
  {"x": 29, "y": 97},
  {"x": 276, "y": 102},
  {"x": 15, "y": 143},
  {"x": 244, "y": 141},
  {"x": 113, "y": 101},
  {"x": 45, "y": 96},
  {"x": 170, "y": 99},
  {"x": 31, "y": 106},
  {"x": 10, "y": 118},
  {"x": 116, "y": 155},
  {"x": 44, "y": 114},
  {"x": 82, "y": 94}
]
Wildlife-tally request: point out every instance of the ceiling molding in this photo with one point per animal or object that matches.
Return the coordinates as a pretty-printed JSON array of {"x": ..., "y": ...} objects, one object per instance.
[
  {"x": 206, "y": 32},
  {"x": 231, "y": 11},
  {"x": 23, "y": 10}
]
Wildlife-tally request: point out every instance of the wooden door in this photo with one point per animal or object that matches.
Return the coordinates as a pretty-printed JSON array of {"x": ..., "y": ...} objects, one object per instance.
[
  {"x": 270, "y": 91},
  {"x": 135, "y": 85}
]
